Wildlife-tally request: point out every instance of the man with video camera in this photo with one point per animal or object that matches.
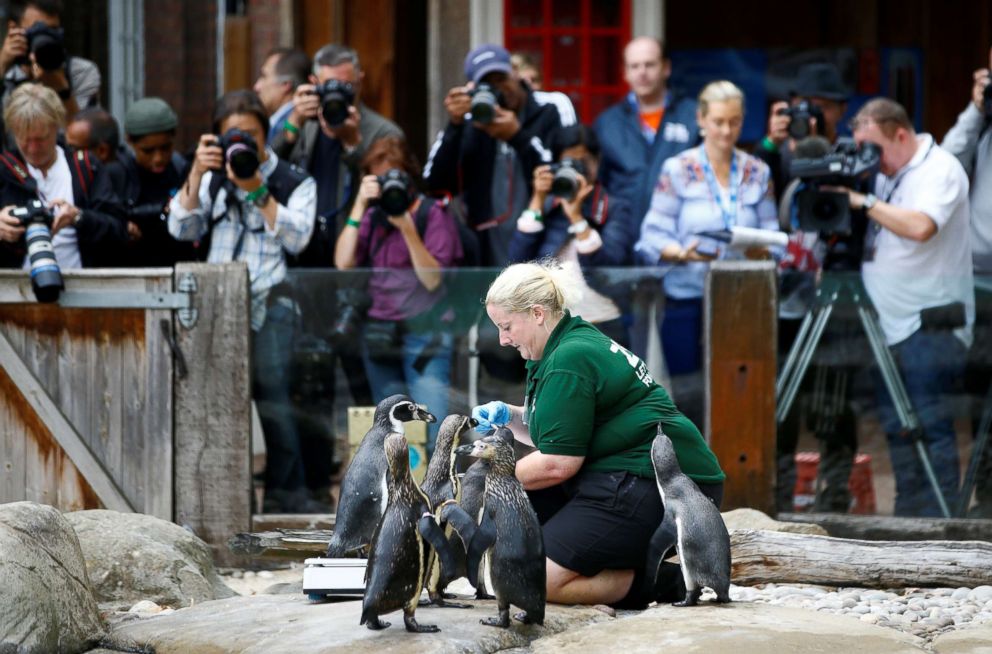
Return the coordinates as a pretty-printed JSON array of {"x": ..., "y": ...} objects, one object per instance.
[
  {"x": 970, "y": 140},
  {"x": 917, "y": 271},
  {"x": 327, "y": 133},
  {"x": 34, "y": 50},
  {"x": 257, "y": 209}
]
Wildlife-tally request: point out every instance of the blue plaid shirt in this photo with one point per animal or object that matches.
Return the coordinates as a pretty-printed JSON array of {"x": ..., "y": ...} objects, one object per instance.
[{"x": 262, "y": 248}]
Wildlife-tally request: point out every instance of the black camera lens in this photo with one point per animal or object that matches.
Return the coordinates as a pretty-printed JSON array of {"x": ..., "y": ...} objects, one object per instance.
[
  {"x": 46, "y": 43},
  {"x": 46, "y": 276},
  {"x": 241, "y": 151},
  {"x": 395, "y": 192},
  {"x": 484, "y": 101},
  {"x": 565, "y": 184},
  {"x": 336, "y": 97}
]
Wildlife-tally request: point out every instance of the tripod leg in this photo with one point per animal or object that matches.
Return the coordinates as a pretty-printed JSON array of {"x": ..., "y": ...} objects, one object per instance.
[
  {"x": 900, "y": 400},
  {"x": 981, "y": 441},
  {"x": 792, "y": 357},
  {"x": 802, "y": 352}
]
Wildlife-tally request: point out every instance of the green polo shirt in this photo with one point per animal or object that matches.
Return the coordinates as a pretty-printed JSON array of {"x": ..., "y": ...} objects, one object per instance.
[{"x": 590, "y": 397}]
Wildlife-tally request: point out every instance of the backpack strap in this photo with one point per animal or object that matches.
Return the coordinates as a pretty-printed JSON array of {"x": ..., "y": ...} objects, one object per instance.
[{"x": 13, "y": 164}]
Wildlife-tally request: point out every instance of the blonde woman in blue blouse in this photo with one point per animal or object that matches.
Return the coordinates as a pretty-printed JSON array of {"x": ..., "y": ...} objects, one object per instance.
[{"x": 711, "y": 187}]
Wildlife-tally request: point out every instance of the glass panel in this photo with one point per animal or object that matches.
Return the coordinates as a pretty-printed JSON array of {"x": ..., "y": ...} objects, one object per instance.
[
  {"x": 605, "y": 13},
  {"x": 566, "y": 13},
  {"x": 566, "y": 61},
  {"x": 526, "y": 13},
  {"x": 605, "y": 61}
]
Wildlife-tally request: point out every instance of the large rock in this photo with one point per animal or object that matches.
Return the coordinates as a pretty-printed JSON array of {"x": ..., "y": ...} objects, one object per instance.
[
  {"x": 966, "y": 640},
  {"x": 46, "y": 604},
  {"x": 132, "y": 557},
  {"x": 756, "y": 520},
  {"x": 286, "y": 624}
]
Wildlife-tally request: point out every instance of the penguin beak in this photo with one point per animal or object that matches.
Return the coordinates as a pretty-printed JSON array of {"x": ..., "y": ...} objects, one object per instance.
[
  {"x": 464, "y": 450},
  {"x": 473, "y": 423},
  {"x": 423, "y": 414}
]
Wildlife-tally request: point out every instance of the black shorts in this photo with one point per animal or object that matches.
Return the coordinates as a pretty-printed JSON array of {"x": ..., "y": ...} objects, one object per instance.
[{"x": 602, "y": 520}]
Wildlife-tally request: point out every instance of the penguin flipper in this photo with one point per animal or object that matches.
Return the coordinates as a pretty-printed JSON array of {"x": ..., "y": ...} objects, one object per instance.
[
  {"x": 484, "y": 538},
  {"x": 433, "y": 534},
  {"x": 458, "y": 518},
  {"x": 663, "y": 540}
]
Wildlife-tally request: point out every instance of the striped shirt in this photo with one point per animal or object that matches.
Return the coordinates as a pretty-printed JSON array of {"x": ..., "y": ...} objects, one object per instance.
[{"x": 262, "y": 248}]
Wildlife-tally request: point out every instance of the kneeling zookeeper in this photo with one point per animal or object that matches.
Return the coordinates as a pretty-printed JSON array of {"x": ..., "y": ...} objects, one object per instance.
[{"x": 591, "y": 409}]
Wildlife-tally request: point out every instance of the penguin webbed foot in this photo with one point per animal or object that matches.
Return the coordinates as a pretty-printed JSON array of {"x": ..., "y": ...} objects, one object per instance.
[
  {"x": 413, "y": 627},
  {"x": 691, "y": 598},
  {"x": 503, "y": 621},
  {"x": 441, "y": 603},
  {"x": 375, "y": 624},
  {"x": 522, "y": 616},
  {"x": 482, "y": 595}
]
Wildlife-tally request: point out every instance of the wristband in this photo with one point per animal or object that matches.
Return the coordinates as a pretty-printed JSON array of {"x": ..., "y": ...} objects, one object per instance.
[
  {"x": 530, "y": 213},
  {"x": 291, "y": 128},
  {"x": 579, "y": 227},
  {"x": 351, "y": 222},
  {"x": 257, "y": 193},
  {"x": 768, "y": 144}
]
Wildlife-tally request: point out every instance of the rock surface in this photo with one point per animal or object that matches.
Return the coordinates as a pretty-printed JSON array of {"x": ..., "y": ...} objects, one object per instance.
[
  {"x": 972, "y": 640},
  {"x": 132, "y": 557},
  {"x": 46, "y": 604},
  {"x": 752, "y": 519}
]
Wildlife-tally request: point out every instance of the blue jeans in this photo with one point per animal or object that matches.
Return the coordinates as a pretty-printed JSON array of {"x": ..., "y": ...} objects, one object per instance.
[
  {"x": 929, "y": 363},
  {"x": 271, "y": 358},
  {"x": 398, "y": 375}
]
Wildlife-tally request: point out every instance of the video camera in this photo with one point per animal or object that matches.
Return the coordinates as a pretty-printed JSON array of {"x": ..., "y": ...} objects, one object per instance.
[
  {"x": 241, "y": 151},
  {"x": 46, "y": 276},
  {"x": 485, "y": 99},
  {"x": 847, "y": 164},
  {"x": 565, "y": 184},
  {"x": 336, "y": 96},
  {"x": 800, "y": 115}
]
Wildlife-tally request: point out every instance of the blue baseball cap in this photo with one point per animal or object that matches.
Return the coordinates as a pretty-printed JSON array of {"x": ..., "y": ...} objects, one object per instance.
[{"x": 486, "y": 59}]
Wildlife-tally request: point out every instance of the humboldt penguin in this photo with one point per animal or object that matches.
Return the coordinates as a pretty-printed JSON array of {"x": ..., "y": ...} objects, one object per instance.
[
  {"x": 401, "y": 546},
  {"x": 510, "y": 535},
  {"x": 693, "y": 525},
  {"x": 363, "y": 489},
  {"x": 441, "y": 485}
]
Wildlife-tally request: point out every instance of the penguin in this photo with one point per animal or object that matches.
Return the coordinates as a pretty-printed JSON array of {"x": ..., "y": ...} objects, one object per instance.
[
  {"x": 363, "y": 489},
  {"x": 693, "y": 525},
  {"x": 401, "y": 546},
  {"x": 441, "y": 485},
  {"x": 510, "y": 535}
]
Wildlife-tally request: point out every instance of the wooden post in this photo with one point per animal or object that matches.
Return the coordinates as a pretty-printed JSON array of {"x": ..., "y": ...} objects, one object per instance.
[
  {"x": 740, "y": 337},
  {"x": 213, "y": 408}
]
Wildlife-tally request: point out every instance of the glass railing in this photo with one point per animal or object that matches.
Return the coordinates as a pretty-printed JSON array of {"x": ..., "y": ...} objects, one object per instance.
[{"x": 349, "y": 349}]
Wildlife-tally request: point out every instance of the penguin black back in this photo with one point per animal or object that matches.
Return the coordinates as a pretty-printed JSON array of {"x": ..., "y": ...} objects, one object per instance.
[{"x": 363, "y": 489}]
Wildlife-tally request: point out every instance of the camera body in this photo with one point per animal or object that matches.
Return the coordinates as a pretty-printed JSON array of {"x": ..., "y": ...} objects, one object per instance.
[
  {"x": 565, "y": 184},
  {"x": 241, "y": 151},
  {"x": 485, "y": 99},
  {"x": 47, "y": 44},
  {"x": 396, "y": 192},
  {"x": 353, "y": 303},
  {"x": 336, "y": 96},
  {"x": 799, "y": 116},
  {"x": 46, "y": 276}
]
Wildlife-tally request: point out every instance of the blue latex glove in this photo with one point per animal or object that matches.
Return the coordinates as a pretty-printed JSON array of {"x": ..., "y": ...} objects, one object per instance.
[{"x": 491, "y": 415}]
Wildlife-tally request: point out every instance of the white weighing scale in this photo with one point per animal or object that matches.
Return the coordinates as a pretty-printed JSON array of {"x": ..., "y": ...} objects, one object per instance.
[{"x": 334, "y": 578}]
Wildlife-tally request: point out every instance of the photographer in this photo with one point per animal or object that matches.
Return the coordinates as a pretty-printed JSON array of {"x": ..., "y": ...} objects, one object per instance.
[
  {"x": 970, "y": 140},
  {"x": 409, "y": 240},
  {"x": 88, "y": 227},
  {"x": 256, "y": 209},
  {"x": 284, "y": 70},
  {"x": 572, "y": 218},
  {"x": 498, "y": 132},
  {"x": 330, "y": 152},
  {"x": 34, "y": 50},
  {"x": 917, "y": 272}
]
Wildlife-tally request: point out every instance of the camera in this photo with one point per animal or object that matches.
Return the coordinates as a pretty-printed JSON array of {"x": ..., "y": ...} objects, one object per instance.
[
  {"x": 565, "y": 184},
  {"x": 47, "y": 44},
  {"x": 336, "y": 96},
  {"x": 848, "y": 164},
  {"x": 241, "y": 151},
  {"x": 353, "y": 303},
  {"x": 484, "y": 101},
  {"x": 46, "y": 277},
  {"x": 799, "y": 116},
  {"x": 987, "y": 100},
  {"x": 396, "y": 192}
]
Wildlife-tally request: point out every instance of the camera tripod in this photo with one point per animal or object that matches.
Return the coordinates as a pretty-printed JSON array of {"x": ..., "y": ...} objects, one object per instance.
[{"x": 830, "y": 291}]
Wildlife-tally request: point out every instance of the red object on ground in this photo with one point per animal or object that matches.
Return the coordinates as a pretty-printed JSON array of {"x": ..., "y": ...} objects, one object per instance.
[{"x": 859, "y": 484}]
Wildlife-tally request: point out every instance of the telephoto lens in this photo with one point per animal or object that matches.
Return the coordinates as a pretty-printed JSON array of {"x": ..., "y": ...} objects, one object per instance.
[
  {"x": 396, "y": 192},
  {"x": 47, "y": 45},
  {"x": 565, "y": 184},
  {"x": 336, "y": 97},
  {"x": 46, "y": 277},
  {"x": 241, "y": 151},
  {"x": 484, "y": 103}
]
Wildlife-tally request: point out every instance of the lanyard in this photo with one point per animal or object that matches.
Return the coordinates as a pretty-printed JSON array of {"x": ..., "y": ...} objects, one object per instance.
[{"x": 729, "y": 214}]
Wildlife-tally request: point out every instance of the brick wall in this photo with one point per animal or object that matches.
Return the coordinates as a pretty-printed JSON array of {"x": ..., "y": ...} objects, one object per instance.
[
  {"x": 266, "y": 19},
  {"x": 181, "y": 61}
]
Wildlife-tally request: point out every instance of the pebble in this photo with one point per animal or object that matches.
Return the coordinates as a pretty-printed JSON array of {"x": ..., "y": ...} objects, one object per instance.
[
  {"x": 924, "y": 612},
  {"x": 145, "y": 607}
]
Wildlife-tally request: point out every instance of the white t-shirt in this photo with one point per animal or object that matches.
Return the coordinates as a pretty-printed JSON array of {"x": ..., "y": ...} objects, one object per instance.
[
  {"x": 907, "y": 276},
  {"x": 56, "y": 184}
]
